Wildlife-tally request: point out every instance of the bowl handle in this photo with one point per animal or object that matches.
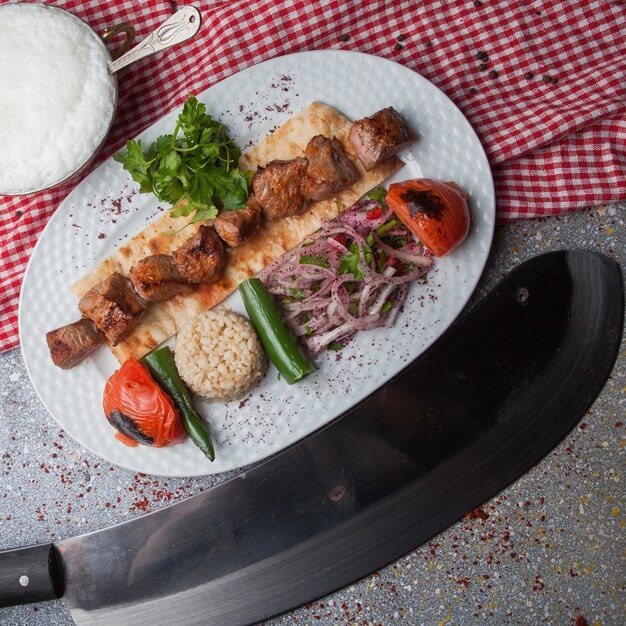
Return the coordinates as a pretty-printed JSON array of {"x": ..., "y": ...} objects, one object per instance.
[
  {"x": 129, "y": 37},
  {"x": 181, "y": 26}
]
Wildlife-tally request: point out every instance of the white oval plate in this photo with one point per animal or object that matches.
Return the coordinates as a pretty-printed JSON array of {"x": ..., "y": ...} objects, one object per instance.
[{"x": 252, "y": 104}]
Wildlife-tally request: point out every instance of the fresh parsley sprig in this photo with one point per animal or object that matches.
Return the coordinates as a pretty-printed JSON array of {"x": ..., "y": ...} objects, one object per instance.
[{"x": 197, "y": 163}]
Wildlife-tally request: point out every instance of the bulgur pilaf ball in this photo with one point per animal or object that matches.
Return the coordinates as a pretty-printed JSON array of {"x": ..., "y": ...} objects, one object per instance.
[{"x": 219, "y": 355}]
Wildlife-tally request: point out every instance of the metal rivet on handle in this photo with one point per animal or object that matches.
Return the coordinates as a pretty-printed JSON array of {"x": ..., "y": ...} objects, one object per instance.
[
  {"x": 337, "y": 492},
  {"x": 521, "y": 295},
  {"x": 24, "y": 581}
]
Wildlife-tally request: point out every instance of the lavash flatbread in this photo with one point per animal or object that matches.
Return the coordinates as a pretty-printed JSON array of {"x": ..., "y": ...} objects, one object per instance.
[{"x": 164, "y": 319}]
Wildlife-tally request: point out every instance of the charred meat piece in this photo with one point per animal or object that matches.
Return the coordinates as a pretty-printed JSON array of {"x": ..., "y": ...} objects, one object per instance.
[
  {"x": 235, "y": 227},
  {"x": 70, "y": 344},
  {"x": 157, "y": 278},
  {"x": 330, "y": 169},
  {"x": 379, "y": 136},
  {"x": 202, "y": 258},
  {"x": 277, "y": 187},
  {"x": 114, "y": 306}
]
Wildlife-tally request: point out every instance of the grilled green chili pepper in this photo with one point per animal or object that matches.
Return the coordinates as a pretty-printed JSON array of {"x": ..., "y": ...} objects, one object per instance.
[
  {"x": 279, "y": 344},
  {"x": 163, "y": 369}
]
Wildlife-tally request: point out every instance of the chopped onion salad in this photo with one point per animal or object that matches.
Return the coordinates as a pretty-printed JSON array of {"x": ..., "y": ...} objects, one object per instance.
[{"x": 353, "y": 274}]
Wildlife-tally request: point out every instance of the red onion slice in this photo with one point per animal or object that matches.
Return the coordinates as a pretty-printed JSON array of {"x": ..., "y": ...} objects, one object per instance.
[{"x": 324, "y": 306}]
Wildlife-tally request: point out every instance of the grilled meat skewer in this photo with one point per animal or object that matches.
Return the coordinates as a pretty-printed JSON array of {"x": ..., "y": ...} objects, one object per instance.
[
  {"x": 235, "y": 227},
  {"x": 281, "y": 188},
  {"x": 157, "y": 278},
  {"x": 70, "y": 344},
  {"x": 114, "y": 306},
  {"x": 379, "y": 136},
  {"x": 330, "y": 169},
  {"x": 277, "y": 188},
  {"x": 202, "y": 258}
]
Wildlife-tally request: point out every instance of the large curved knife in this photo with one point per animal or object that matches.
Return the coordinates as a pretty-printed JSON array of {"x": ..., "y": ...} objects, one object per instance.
[{"x": 481, "y": 406}]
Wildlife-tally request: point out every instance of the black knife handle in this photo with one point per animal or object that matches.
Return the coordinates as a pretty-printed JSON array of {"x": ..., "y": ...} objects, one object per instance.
[{"x": 30, "y": 574}]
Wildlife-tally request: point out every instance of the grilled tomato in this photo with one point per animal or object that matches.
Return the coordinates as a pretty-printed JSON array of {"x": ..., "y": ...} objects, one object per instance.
[
  {"x": 139, "y": 409},
  {"x": 434, "y": 211}
]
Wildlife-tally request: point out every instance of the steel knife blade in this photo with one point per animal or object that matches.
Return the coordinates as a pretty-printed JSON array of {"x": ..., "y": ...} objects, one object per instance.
[{"x": 487, "y": 401}]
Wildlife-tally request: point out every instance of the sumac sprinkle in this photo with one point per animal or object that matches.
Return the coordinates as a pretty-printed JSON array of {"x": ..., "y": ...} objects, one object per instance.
[
  {"x": 482, "y": 67},
  {"x": 344, "y": 37},
  {"x": 528, "y": 75},
  {"x": 482, "y": 56},
  {"x": 493, "y": 74},
  {"x": 423, "y": 201}
]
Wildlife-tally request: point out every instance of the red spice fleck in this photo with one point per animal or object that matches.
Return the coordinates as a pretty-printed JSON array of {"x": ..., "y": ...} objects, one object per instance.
[
  {"x": 583, "y": 426},
  {"x": 580, "y": 621},
  {"x": 477, "y": 513},
  {"x": 140, "y": 505},
  {"x": 618, "y": 424}
]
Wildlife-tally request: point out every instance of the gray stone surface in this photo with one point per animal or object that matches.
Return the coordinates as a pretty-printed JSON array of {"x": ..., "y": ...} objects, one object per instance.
[{"x": 547, "y": 550}]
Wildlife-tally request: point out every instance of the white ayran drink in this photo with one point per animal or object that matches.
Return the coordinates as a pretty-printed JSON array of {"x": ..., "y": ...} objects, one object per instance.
[{"x": 56, "y": 96}]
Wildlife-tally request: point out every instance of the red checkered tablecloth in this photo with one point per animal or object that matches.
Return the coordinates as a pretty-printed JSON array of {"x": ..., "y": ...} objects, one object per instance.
[{"x": 542, "y": 82}]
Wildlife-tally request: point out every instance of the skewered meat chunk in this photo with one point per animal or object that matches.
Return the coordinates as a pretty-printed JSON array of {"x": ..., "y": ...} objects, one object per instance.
[
  {"x": 235, "y": 227},
  {"x": 70, "y": 344},
  {"x": 379, "y": 136},
  {"x": 277, "y": 187},
  {"x": 330, "y": 169},
  {"x": 202, "y": 258},
  {"x": 157, "y": 278},
  {"x": 114, "y": 306}
]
